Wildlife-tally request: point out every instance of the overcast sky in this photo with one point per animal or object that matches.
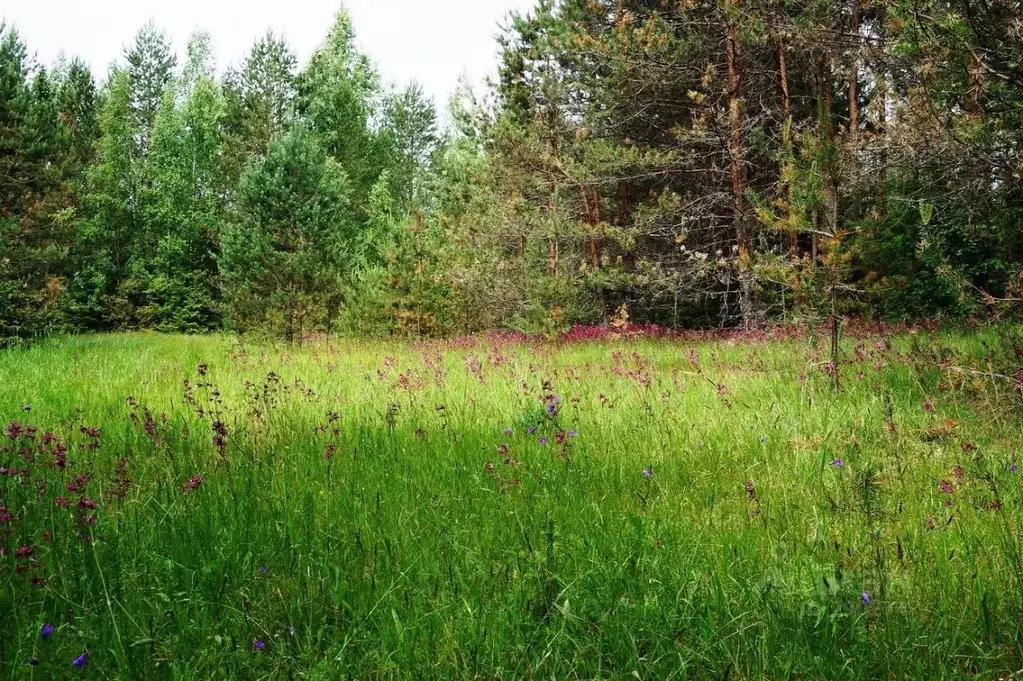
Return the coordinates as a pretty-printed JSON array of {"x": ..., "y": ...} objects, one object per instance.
[{"x": 432, "y": 41}]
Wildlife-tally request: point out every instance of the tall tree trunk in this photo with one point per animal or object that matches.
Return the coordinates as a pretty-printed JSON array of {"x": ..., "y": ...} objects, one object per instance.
[
  {"x": 739, "y": 208},
  {"x": 786, "y": 101},
  {"x": 854, "y": 81}
]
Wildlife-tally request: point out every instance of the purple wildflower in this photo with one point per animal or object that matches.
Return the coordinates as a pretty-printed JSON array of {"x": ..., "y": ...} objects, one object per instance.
[
  {"x": 46, "y": 631},
  {"x": 258, "y": 644},
  {"x": 1012, "y": 468},
  {"x": 838, "y": 463},
  {"x": 508, "y": 431},
  {"x": 865, "y": 597},
  {"x": 543, "y": 441},
  {"x": 573, "y": 433},
  {"x": 648, "y": 472},
  {"x": 532, "y": 430},
  {"x": 80, "y": 661},
  {"x": 263, "y": 569}
]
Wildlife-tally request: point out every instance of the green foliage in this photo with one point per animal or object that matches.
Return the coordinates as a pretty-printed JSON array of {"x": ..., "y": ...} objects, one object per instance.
[
  {"x": 698, "y": 164},
  {"x": 284, "y": 260}
]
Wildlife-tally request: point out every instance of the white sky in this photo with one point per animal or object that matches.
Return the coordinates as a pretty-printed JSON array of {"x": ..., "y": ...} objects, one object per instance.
[{"x": 432, "y": 41}]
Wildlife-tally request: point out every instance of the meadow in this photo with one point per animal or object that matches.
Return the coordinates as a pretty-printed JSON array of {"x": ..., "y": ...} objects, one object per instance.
[{"x": 177, "y": 507}]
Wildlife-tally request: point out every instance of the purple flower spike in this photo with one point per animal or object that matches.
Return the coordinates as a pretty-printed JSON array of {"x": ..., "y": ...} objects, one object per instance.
[
  {"x": 258, "y": 644},
  {"x": 865, "y": 597},
  {"x": 80, "y": 661},
  {"x": 46, "y": 631}
]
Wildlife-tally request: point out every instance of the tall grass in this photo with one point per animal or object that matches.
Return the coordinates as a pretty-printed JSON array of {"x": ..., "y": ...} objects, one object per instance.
[{"x": 479, "y": 509}]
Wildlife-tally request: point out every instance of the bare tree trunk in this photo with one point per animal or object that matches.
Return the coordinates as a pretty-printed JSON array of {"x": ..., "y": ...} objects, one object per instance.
[
  {"x": 742, "y": 237},
  {"x": 854, "y": 81},
  {"x": 786, "y": 100}
]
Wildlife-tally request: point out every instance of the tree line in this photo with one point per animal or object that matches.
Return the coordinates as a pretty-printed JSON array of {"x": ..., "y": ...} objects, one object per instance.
[{"x": 693, "y": 163}]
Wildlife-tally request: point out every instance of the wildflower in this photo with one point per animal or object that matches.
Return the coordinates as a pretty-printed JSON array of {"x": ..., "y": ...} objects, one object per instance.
[
  {"x": 865, "y": 597},
  {"x": 258, "y": 644},
  {"x": 192, "y": 484},
  {"x": 838, "y": 463},
  {"x": 489, "y": 466},
  {"x": 46, "y": 631},
  {"x": 24, "y": 552},
  {"x": 13, "y": 430},
  {"x": 543, "y": 441},
  {"x": 1012, "y": 468},
  {"x": 61, "y": 502},
  {"x": 929, "y": 407},
  {"x": 946, "y": 487},
  {"x": 87, "y": 504},
  {"x": 958, "y": 472},
  {"x": 648, "y": 472},
  {"x": 263, "y": 569},
  {"x": 80, "y": 661},
  {"x": 291, "y": 630},
  {"x": 532, "y": 430},
  {"x": 929, "y": 521},
  {"x": 508, "y": 431},
  {"x": 573, "y": 433},
  {"x": 78, "y": 484}
]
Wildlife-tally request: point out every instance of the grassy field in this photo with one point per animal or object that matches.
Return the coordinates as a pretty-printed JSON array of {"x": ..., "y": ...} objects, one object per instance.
[{"x": 188, "y": 508}]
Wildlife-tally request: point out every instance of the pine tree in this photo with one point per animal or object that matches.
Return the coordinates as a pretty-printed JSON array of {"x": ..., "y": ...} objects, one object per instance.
[
  {"x": 412, "y": 138},
  {"x": 259, "y": 104},
  {"x": 284, "y": 261},
  {"x": 338, "y": 89},
  {"x": 150, "y": 70}
]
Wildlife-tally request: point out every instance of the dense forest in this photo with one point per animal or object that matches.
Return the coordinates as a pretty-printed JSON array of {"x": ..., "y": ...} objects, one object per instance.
[{"x": 685, "y": 163}]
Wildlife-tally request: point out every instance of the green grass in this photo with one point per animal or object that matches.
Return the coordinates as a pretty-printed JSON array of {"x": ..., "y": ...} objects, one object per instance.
[{"x": 405, "y": 556}]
